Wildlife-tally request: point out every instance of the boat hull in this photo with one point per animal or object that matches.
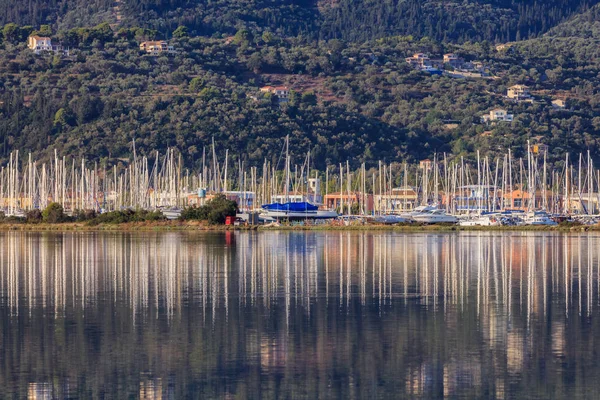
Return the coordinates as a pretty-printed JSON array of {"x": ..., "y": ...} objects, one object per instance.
[{"x": 298, "y": 215}]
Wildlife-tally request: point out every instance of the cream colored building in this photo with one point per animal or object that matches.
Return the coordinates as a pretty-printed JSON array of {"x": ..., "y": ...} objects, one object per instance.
[
  {"x": 497, "y": 115},
  {"x": 397, "y": 200},
  {"x": 518, "y": 92},
  {"x": 41, "y": 44},
  {"x": 281, "y": 92},
  {"x": 156, "y": 47}
]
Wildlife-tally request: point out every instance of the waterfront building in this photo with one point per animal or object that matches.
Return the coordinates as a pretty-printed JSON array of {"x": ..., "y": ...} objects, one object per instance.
[
  {"x": 356, "y": 200},
  {"x": 399, "y": 199}
]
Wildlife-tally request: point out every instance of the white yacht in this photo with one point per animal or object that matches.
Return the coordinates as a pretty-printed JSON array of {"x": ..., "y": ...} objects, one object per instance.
[
  {"x": 171, "y": 213},
  {"x": 430, "y": 215},
  {"x": 481, "y": 220},
  {"x": 388, "y": 219},
  {"x": 538, "y": 218}
]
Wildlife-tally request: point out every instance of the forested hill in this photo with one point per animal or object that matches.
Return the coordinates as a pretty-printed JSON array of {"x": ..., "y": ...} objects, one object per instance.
[
  {"x": 352, "y": 20},
  {"x": 353, "y": 94},
  {"x": 582, "y": 25},
  {"x": 491, "y": 20}
]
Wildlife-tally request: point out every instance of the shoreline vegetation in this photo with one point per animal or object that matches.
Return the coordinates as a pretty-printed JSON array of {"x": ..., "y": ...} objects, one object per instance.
[{"x": 178, "y": 225}]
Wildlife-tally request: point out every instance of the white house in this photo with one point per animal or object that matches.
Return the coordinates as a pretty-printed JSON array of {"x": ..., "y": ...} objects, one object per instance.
[
  {"x": 40, "y": 44},
  {"x": 281, "y": 92},
  {"x": 156, "y": 47},
  {"x": 497, "y": 115}
]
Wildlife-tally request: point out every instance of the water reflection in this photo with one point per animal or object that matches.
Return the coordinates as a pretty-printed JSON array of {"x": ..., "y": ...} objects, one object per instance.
[{"x": 307, "y": 315}]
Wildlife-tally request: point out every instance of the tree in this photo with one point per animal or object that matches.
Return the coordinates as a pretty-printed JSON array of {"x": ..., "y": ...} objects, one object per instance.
[
  {"x": 53, "y": 214},
  {"x": 34, "y": 216},
  {"x": 62, "y": 119},
  {"x": 255, "y": 62},
  {"x": 87, "y": 108},
  {"x": 309, "y": 98},
  {"x": 11, "y": 32},
  {"x": 243, "y": 36},
  {"x": 196, "y": 84},
  {"x": 181, "y": 32},
  {"x": 45, "y": 30},
  {"x": 102, "y": 32},
  {"x": 268, "y": 37},
  {"x": 220, "y": 208},
  {"x": 215, "y": 211}
]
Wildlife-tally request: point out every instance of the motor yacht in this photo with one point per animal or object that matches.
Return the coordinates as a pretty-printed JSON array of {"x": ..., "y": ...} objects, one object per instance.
[
  {"x": 430, "y": 215},
  {"x": 538, "y": 218}
]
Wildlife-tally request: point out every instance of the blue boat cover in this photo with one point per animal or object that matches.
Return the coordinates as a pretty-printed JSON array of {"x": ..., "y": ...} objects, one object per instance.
[{"x": 291, "y": 207}]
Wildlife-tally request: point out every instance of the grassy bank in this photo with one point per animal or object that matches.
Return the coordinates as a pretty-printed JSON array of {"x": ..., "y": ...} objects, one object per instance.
[
  {"x": 203, "y": 226},
  {"x": 125, "y": 227}
]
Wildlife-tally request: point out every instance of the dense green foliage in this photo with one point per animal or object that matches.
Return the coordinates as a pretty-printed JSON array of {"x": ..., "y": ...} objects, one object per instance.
[
  {"x": 70, "y": 12},
  {"x": 215, "y": 211},
  {"x": 53, "y": 214},
  {"x": 354, "y": 99},
  {"x": 493, "y": 20},
  {"x": 120, "y": 217}
]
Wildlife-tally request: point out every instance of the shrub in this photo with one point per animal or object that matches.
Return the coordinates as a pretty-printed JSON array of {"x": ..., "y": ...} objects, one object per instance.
[
  {"x": 33, "y": 216},
  {"x": 215, "y": 211},
  {"x": 194, "y": 213},
  {"x": 120, "y": 217},
  {"x": 53, "y": 214},
  {"x": 84, "y": 215}
]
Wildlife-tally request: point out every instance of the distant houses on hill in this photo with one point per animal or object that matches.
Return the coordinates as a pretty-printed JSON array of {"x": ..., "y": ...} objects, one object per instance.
[{"x": 422, "y": 62}]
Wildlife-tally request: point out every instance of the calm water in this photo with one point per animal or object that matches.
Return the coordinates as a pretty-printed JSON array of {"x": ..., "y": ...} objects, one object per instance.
[{"x": 299, "y": 315}]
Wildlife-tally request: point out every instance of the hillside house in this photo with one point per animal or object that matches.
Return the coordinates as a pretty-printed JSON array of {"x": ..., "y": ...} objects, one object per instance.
[
  {"x": 453, "y": 60},
  {"x": 156, "y": 48},
  {"x": 497, "y": 115},
  {"x": 474, "y": 66},
  {"x": 504, "y": 46},
  {"x": 559, "y": 104},
  {"x": 419, "y": 61},
  {"x": 40, "y": 44},
  {"x": 518, "y": 93},
  {"x": 281, "y": 92}
]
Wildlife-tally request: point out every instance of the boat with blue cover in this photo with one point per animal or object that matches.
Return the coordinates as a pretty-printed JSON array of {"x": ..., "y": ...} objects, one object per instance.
[{"x": 294, "y": 210}]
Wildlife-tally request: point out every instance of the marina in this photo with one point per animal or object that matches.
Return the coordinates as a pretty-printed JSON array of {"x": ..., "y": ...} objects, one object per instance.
[{"x": 446, "y": 190}]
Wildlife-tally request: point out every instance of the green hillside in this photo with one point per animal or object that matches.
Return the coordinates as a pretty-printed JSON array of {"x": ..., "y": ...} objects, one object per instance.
[{"x": 354, "y": 99}]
